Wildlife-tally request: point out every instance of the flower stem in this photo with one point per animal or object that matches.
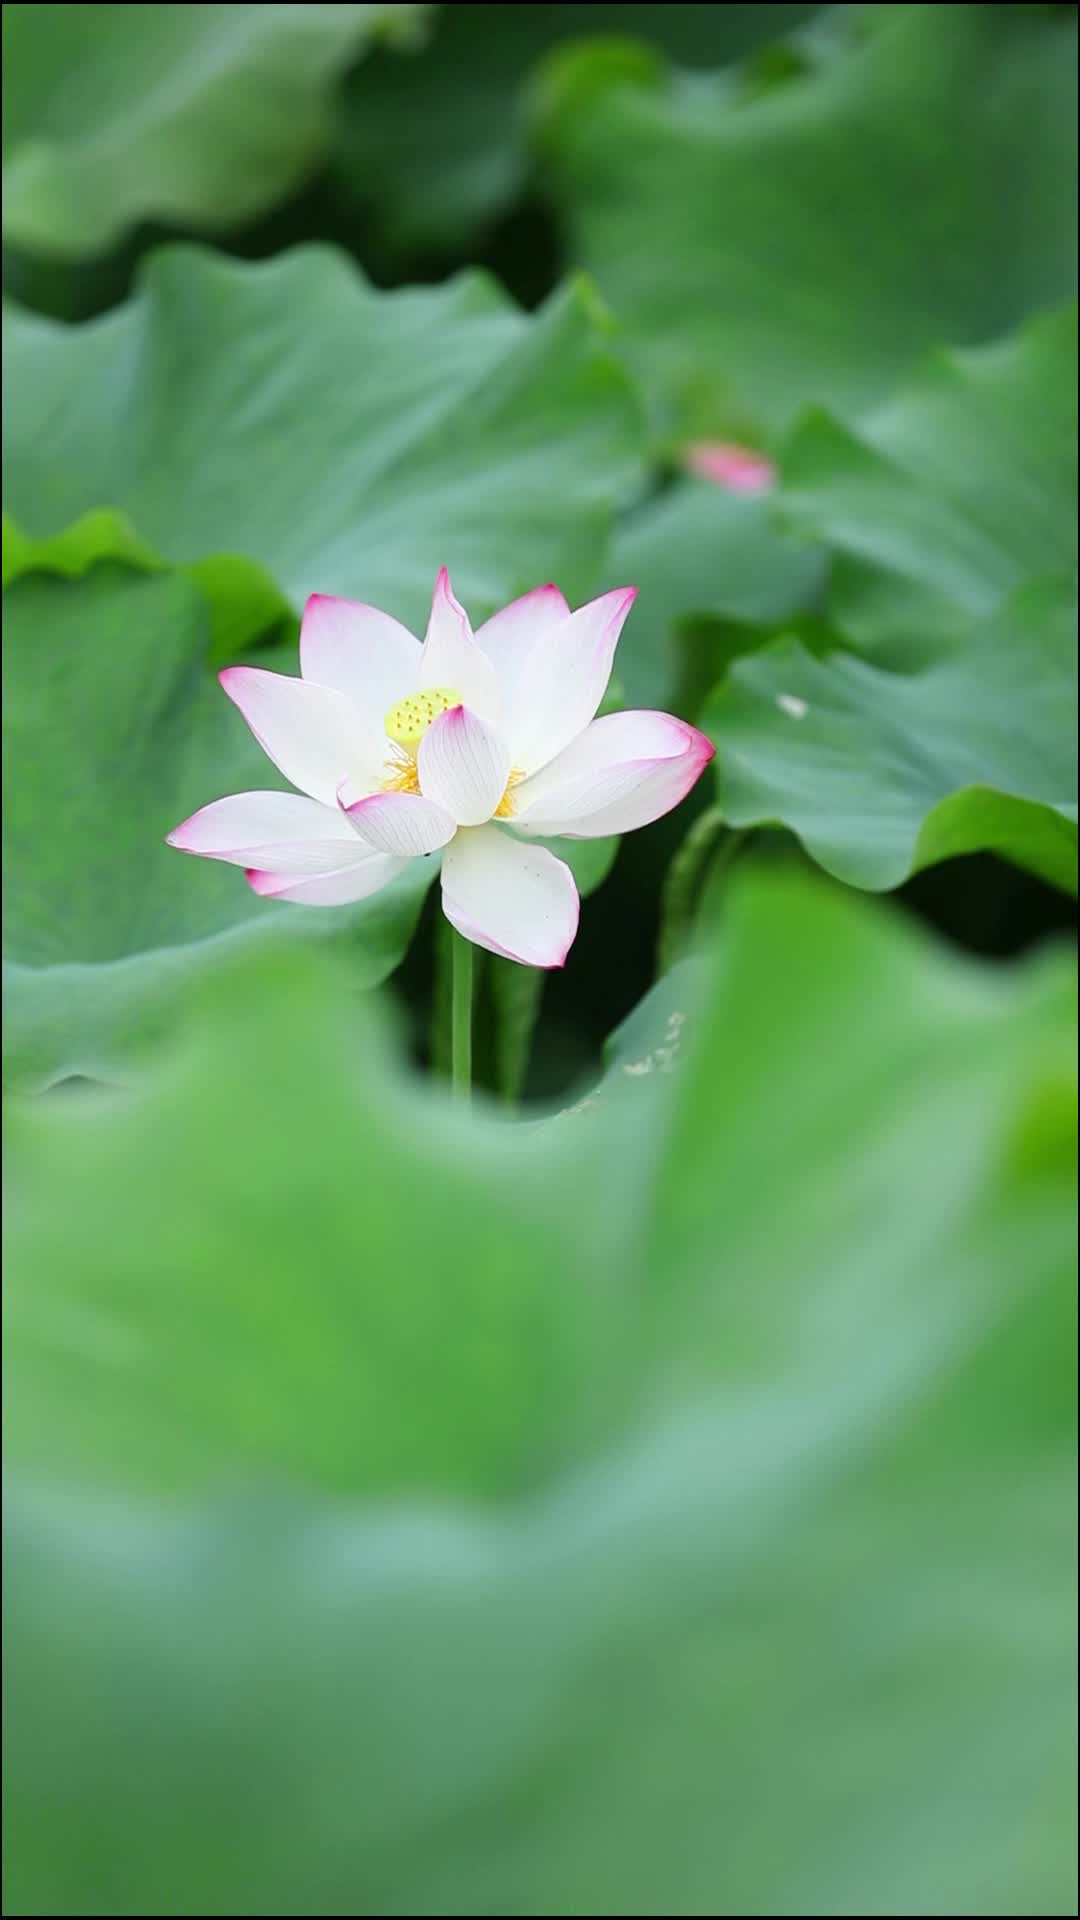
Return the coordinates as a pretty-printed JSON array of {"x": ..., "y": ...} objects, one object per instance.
[{"x": 461, "y": 1016}]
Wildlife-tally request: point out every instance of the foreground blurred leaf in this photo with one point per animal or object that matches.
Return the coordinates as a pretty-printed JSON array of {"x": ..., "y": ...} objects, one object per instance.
[
  {"x": 698, "y": 551},
  {"x": 433, "y": 146},
  {"x": 776, "y": 1391},
  {"x": 205, "y": 114},
  {"x": 882, "y": 773},
  {"x": 807, "y": 244},
  {"x": 349, "y": 441},
  {"x": 114, "y": 730},
  {"x": 956, "y": 493}
]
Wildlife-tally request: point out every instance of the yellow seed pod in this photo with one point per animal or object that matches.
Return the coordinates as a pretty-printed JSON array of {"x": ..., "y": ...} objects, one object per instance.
[{"x": 409, "y": 719}]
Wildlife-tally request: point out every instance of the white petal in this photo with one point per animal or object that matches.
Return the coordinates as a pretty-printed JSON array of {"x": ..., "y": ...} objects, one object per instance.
[
  {"x": 463, "y": 766},
  {"x": 364, "y": 654},
  {"x": 622, "y": 772},
  {"x": 313, "y": 734},
  {"x": 513, "y": 899},
  {"x": 510, "y": 635},
  {"x": 451, "y": 657},
  {"x": 404, "y": 824},
  {"x": 564, "y": 679},
  {"x": 282, "y": 832},
  {"x": 366, "y": 876}
]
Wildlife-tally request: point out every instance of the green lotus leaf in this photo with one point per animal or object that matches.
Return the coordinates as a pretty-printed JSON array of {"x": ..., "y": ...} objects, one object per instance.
[
  {"x": 114, "y": 730},
  {"x": 347, "y": 441},
  {"x": 809, "y": 241},
  {"x": 882, "y": 773},
  {"x": 202, "y": 115},
  {"x": 410, "y": 1513}
]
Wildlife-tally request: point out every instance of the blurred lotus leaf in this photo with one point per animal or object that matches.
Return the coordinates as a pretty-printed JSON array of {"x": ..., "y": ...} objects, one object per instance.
[
  {"x": 198, "y": 114},
  {"x": 806, "y": 241},
  {"x": 434, "y": 146},
  {"x": 959, "y": 491},
  {"x": 411, "y": 1513},
  {"x": 703, "y": 557},
  {"x": 349, "y": 441}
]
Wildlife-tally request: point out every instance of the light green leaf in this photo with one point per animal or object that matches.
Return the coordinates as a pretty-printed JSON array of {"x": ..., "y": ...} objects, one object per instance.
[
  {"x": 101, "y": 535},
  {"x": 114, "y": 731},
  {"x": 243, "y": 601},
  {"x": 347, "y": 440},
  {"x": 434, "y": 145},
  {"x": 202, "y": 114},
  {"x": 809, "y": 243},
  {"x": 882, "y": 773},
  {"x": 696, "y": 551},
  {"x": 949, "y": 498},
  {"x": 764, "y": 1403}
]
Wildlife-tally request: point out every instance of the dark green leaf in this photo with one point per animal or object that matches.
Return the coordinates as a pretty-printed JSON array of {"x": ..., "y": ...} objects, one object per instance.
[{"x": 434, "y": 145}]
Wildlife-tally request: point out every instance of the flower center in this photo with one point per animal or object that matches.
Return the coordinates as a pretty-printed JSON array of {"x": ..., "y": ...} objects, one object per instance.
[
  {"x": 406, "y": 724},
  {"x": 409, "y": 719}
]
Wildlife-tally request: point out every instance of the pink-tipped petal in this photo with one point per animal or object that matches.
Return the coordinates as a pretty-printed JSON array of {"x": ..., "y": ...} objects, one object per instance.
[
  {"x": 357, "y": 882},
  {"x": 622, "y": 772},
  {"x": 312, "y": 733},
  {"x": 277, "y": 830},
  {"x": 364, "y": 654},
  {"x": 564, "y": 679},
  {"x": 463, "y": 766},
  {"x": 510, "y": 635},
  {"x": 736, "y": 469},
  {"x": 451, "y": 657},
  {"x": 513, "y": 899},
  {"x": 403, "y": 824}
]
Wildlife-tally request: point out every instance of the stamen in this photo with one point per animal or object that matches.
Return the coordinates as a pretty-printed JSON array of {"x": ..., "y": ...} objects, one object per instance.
[
  {"x": 402, "y": 773},
  {"x": 506, "y": 809}
]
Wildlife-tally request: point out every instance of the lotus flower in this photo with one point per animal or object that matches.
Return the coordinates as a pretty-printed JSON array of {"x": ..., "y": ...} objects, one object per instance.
[
  {"x": 737, "y": 469},
  {"x": 472, "y": 744}
]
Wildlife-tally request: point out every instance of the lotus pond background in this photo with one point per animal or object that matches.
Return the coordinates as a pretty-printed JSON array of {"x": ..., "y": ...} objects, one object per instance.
[{"x": 653, "y": 1490}]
